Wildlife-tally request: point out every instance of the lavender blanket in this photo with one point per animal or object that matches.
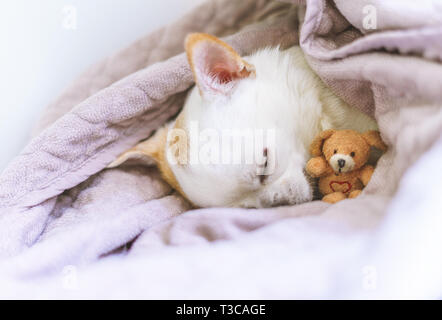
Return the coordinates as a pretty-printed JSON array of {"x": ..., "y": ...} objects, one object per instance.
[{"x": 71, "y": 229}]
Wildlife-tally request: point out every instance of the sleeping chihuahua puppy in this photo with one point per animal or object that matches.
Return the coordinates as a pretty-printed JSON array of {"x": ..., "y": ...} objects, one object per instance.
[{"x": 270, "y": 104}]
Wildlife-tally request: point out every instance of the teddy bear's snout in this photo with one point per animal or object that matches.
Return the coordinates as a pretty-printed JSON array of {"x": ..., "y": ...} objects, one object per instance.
[{"x": 341, "y": 163}]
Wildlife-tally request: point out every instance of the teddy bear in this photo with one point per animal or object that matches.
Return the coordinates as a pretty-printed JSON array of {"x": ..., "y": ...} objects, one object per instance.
[{"x": 339, "y": 161}]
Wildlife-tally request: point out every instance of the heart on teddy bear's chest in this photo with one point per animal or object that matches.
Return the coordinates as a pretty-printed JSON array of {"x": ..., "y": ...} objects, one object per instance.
[{"x": 340, "y": 186}]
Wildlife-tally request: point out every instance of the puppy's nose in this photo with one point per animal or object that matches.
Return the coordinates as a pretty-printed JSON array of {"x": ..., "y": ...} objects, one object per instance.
[{"x": 341, "y": 163}]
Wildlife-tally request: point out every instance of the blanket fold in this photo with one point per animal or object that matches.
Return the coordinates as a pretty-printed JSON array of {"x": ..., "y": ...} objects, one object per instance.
[{"x": 123, "y": 232}]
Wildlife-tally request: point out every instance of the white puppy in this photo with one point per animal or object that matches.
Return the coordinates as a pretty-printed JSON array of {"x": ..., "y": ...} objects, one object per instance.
[{"x": 243, "y": 136}]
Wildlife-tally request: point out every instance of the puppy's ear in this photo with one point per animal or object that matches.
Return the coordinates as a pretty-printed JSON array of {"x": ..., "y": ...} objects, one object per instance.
[
  {"x": 316, "y": 146},
  {"x": 216, "y": 67},
  {"x": 373, "y": 138},
  {"x": 149, "y": 152}
]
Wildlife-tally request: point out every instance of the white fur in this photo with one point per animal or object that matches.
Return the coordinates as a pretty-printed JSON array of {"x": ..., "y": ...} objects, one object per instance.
[{"x": 285, "y": 96}]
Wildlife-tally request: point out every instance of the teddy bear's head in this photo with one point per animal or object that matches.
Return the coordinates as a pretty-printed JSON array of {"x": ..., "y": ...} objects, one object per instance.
[{"x": 346, "y": 150}]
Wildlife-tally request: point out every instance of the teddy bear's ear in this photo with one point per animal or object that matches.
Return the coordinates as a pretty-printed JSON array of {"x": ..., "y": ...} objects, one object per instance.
[
  {"x": 316, "y": 146},
  {"x": 374, "y": 139}
]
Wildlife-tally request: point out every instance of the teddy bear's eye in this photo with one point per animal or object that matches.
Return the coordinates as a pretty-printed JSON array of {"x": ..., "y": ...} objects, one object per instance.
[
  {"x": 352, "y": 154},
  {"x": 335, "y": 151}
]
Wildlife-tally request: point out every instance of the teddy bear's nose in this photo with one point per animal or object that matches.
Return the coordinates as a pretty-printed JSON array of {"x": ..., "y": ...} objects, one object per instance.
[{"x": 341, "y": 163}]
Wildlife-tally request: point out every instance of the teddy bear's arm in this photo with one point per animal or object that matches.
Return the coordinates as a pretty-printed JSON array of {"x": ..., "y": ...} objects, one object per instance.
[
  {"x": 317, "y": 167},
  {"x": 365, "y": 174}
]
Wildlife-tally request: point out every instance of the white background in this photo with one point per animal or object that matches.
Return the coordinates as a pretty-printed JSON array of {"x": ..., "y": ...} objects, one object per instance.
[{"x": 39, "y": 56}]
